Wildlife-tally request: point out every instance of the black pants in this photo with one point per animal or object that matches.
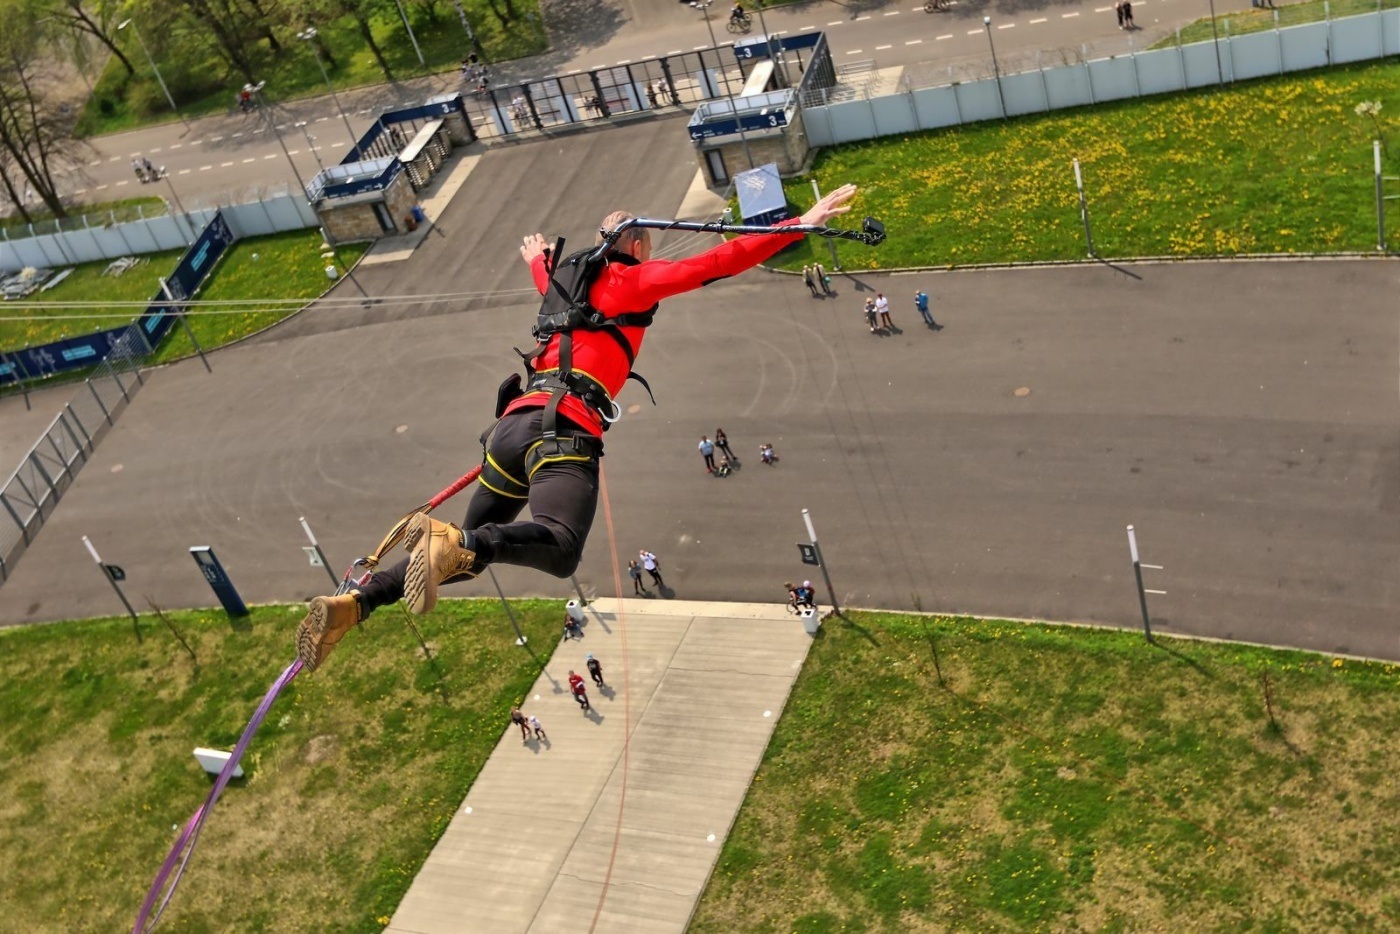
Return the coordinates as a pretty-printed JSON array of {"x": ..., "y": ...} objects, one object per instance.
[{"x": 563, "y": 499}]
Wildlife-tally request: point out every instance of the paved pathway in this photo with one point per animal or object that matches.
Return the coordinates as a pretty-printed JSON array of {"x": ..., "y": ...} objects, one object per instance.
[{"x": 619, "y": 817}]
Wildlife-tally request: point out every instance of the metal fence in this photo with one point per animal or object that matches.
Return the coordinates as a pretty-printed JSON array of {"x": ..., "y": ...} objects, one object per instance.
[{"x": 31, "y": 494}]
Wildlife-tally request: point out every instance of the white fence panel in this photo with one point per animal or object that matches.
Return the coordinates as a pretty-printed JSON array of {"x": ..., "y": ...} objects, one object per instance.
[
  {"x": 1354, "y": 39},
  {"x": 894, "y": 114},
  {"x": 1068, "y": 87},
  {"x": 1024, "y": 93},
  {"x": 937, "y": 107},
  {"x": 1113, "y": 79},
  {"x": 1255, "y": 55},
  {"x": 1304, "y": 46},
  {"x": 1201, "y": 64},
  {"x": 851, "y": 120},
  {"x": 1161, "y": 71},
  {"x": 978, "y": 100}
]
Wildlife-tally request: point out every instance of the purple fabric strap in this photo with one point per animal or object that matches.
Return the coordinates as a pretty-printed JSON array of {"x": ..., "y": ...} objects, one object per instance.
[{"x": 183, "y": 849}]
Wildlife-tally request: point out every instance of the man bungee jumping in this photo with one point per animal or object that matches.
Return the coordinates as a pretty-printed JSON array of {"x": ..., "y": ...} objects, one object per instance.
[{"x": 543, "y": 451}]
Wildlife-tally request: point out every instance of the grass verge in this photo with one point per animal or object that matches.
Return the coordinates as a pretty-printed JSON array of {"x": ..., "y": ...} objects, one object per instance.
[
  {"x": 110, "y": 212},
  {"x": 354, "y": 775},
  {"x": 287, "y": 265},
  {"x": 1282, "y": 165},
  {"x": 1066, "y": 779},
  {"x": 1258, "y": 19},
  {"x": 1059, "y": 779}
]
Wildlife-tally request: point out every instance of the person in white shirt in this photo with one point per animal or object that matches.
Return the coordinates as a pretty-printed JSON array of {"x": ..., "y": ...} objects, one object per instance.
[
  {"x": 882, "y": 308},
  {"x": 652, "y": 567}
]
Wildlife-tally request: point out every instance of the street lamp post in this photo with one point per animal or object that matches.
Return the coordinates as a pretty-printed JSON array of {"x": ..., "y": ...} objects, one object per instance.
[
  {"x": 309, "y": 34},
  {"x": 996, "y": 69},
  {"x": 1215, "y": 35},
  {"x": 411, "y": 37},
  {"x": 704, "y": 7},
  {"x": 272, "y": 122},
  {"x": 311, "y": 144},
  {"x": 141, "y": 42}
]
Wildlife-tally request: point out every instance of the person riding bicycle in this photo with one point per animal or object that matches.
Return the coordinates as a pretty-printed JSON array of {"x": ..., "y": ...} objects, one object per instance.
[{"x": 737, "y": 14}]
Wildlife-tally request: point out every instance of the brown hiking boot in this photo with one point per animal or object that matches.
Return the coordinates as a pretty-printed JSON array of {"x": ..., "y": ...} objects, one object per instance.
[
  {"x": 435, "y": 555},
  {"x": 327, "y": 620}
]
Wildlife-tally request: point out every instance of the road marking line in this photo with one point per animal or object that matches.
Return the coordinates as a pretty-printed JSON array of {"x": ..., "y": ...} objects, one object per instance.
[
  {"x": 861, "y": 19},
  {"x": 80, "y": 191},
  {"x": 914, "y": 42},
  {"x": 224, "y": 165},
  {"x": 173, "y": 146},
  {"x": 183, "y": 172},
  {"x": 99, "y": 162},
  {"x": 881, "y": 48},
  {"x": 941, "y": 38},
  {"x": 336, "y": 145},
  {"x": 271, "y": 155},
  {"x": 294, "y": 152},
  {"x": 114, "y": 159},
  {"x": 625, "y": 61},
  {"x": 839, "y": 22},
  {"x": 216, "y": 139},
  {"x": 205, "y": 168},
  {"x": 196, "y": 142},
  {"x": 120, "y": 184},
  {"x": 974, "y": 32},
  {"x": 238, "y": 134},
  {"x": 1068, "y": 15},
  {"x": 1007, "y": 26},
  {"x": 1035, "y": 21},
  {"x": 697, "y": 48},
  {"x": 855, "y": 51},
  {"x": 892, "y": 13},
  {"x": 1102, "y": 9},
  {"x": 155, "y": 150},
  {"x": 246, "y": 161},
  {"x": 322, "y": 119},
  {"x": 805, "y": 28},
  {"x": 675, "y": 52},
  {"x": 100, "y": 188},
  {"x": 133, "y": 155}
]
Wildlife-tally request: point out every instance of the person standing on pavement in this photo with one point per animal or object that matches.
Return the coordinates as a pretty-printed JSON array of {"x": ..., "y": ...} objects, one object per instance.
[
  {"x": 578, "y": 690},
  {"x": 634, "y": 571},
  {"x": 707, "y": 451},
  {"x": 823, "y": 279},
  {"x": 722, "y": 442},
  {"x": 809, "y": 278},
  {"x": 1118, "y": 9},
  {"x": 652, "y": 566},
  {"x": 882, "y": 308},
  {"x": 595, "y": 670},
  {"x": 518, "y": 719},
  {"x": 1128, "y": 15},
  {"x": 921, "y": 304},
  {"x": 869, "y": 310}
]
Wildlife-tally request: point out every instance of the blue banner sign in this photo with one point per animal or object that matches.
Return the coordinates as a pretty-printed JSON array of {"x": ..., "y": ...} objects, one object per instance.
[{"x": 731, "y": 125}]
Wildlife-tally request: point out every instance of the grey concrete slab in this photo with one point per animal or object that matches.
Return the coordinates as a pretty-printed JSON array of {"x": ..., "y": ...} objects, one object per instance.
[{"x": 619, "y": 815}]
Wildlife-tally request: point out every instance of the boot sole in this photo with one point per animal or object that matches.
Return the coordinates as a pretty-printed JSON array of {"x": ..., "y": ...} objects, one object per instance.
[
  {"x": 419, "y": 582},
  {"x": 310, "y": 633}
]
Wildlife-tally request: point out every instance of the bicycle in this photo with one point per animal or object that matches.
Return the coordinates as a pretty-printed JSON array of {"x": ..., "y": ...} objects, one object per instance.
[
  {"x": 937, "y": 5},
  {"x": 738, "y": 24}
]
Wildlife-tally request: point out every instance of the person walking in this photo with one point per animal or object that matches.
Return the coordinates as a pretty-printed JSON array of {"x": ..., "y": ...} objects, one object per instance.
[
  {"x": 634, "y": 571},
  {"x": 823, "y": 280},
  {"x": 869, "y": 310},
  {"x": 707, "y": 451},
  {"x": 550, "y": 429},
  {"x": 595, "y": 670},
  {"x": 882, "y": 308},
  {"x": 809, "y": 278},
  {"x": 652, "y": 566},
  {"x": 1128, "y": 15},
  {"x": 518, "y": 719},
  {"x": 921, "y": 304},
  {"x": 579, "y": 691},
  {"x": 722, "y": 442},
  {"x": 1118, "y": 9},
  {"x": 534, "y": 722}
]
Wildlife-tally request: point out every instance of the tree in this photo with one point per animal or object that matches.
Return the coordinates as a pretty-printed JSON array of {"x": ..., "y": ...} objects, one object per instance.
[
  {"x": 34, "y": 129},
  {"x": 97, "y": 23}
]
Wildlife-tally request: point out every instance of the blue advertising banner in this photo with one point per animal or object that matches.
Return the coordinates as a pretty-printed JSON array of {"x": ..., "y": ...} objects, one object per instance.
[{"x": 75, "y": 353}]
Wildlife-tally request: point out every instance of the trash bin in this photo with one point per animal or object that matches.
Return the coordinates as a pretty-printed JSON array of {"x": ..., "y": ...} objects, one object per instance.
[
  {"x": 811, "y": 620},
  {"x": 418, "y": 214},
  {"x": 575, "y": 610}
]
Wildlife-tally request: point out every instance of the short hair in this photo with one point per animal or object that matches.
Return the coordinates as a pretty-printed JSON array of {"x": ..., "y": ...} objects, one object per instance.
[{"x": 629, "y": 236}]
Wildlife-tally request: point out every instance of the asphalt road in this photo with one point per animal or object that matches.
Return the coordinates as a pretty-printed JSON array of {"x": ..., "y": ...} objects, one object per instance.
[
  {"x": 237, "y": 156},
  {"x": 1244, "y": 416}
]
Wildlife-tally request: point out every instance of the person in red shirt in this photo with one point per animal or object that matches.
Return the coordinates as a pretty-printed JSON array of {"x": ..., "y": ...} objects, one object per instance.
[{"x": 557, "y": 477}]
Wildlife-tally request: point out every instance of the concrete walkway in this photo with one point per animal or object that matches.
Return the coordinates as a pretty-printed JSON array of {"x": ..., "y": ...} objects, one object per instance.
[{"x": 620, "y": 814}]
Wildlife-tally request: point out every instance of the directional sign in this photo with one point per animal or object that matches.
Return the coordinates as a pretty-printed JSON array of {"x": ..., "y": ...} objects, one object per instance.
[{"x": 809, "y": 553}]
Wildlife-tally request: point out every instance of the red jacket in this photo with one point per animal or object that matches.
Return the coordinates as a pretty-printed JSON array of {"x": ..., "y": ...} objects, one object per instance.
[{"x": 621, "y": 289}]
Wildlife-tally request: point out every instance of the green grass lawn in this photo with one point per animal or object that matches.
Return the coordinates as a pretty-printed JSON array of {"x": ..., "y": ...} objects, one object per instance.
[
  {"x": 1282, "y": 165},
  {"x": 355, "y": 773},
  {"x": 110, "y": 212},
  {"x": 1066, "y": 780},
  {"x": 1061, "y": 779},
  {"x": 123, "y": 102},
  {"x": 288, "y": 265},
  {"x": 1239, "y": 22}
]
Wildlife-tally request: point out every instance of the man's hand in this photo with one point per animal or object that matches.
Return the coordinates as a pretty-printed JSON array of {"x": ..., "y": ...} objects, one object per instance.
[
  {"x": 533, "y": 246},
  {"x": 833, "y": 204}
]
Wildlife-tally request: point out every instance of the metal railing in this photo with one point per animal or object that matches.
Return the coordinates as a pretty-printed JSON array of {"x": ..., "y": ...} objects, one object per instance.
[{"x": 32, "y": 493}]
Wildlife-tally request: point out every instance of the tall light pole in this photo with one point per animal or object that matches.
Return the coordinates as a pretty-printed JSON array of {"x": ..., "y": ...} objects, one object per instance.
[
  {"x": 768, "y": 42},
  {"x": 309, "y": 34},
  {"x": 411, "y": 37},
  {"x": 272, "y": 122},
  {"x": 704, "y": 7},
  {"x": 996, "y": 69},
  {"x": 311, "y": 144},
  {"x": 141, "y": 42},
  {"x": 1215, "y": 35}
]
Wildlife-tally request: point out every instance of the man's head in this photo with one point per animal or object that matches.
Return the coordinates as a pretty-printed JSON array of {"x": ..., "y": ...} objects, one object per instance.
[{"x": 634, "y": 241}]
